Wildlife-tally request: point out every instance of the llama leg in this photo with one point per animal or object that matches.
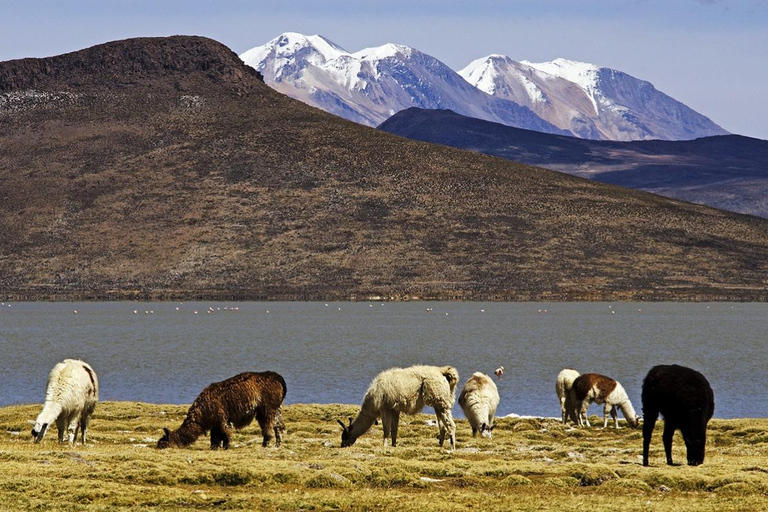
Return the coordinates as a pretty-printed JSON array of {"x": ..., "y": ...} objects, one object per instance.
[
  {"x": 650, "y": 422},
  {"x": 615, "y": 416},
  {"x": 669, "y": 432},
  {"x": 78, "y": 428},
  {"x": 571, "y": 408},
  {"x": 441, "y": 427},
  {"x": 446, "y": 422},
  {"x": 583, "y": 409},
  {"x": 216, "y": 438},
  {"x": 451, "y": 429},
  {"x": 395, "y": 424},
  {"x": 73, "y": 422},
  {"x": 279, "y": 427},
  {"x": 86, "y": 422},
  {"x": 563, "y": 412},
  {"x": 267, "y": 424},
  {"x": 607, "y": 410},
  {"x": 385, "y": 425},
  {"x": 226, "y": 436},
  {"x": 61, "y": 426}
]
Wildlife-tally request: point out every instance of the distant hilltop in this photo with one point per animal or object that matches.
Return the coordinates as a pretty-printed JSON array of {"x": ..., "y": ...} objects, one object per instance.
[
  {"x": 560, "y": 97},
  {"x": 165, "y": 168}
]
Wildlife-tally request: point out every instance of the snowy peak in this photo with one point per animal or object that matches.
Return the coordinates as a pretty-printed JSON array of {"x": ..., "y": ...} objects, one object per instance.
[
  {"x": 384, "y": 51},
  {"x": 289, "y": 51},
  {"x": 290, "y": 44},
  {"x": 498, "y": 75},
  {"x": 560, "y": 96},
  {"x": 583, "y": 74},
  {"x": 372, "y": 84},
  {"x": 591, "y": 101}
]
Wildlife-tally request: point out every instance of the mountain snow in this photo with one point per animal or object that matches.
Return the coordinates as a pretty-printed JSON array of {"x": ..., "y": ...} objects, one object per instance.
[
  {"x": 591, "y": 101},
  {"x": 370, "y": 85},
  {"x": 560, "y": 96}
]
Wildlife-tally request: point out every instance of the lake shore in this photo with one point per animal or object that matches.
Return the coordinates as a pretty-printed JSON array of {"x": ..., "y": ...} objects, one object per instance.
[{"x": 530, "y": 464}]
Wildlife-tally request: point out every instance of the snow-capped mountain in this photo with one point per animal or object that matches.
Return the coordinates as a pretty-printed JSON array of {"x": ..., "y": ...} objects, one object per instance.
[
  {"x": 371, "y": 85},
  {"x": 561, "y": 96},
  {"x": 592, "y": 102}
]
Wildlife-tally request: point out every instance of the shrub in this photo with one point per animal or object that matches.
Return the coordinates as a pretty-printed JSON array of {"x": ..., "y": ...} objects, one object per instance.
[
  {"x": 593, "y": 475},
  {"x": 232, "y": 478},
  {"x": 515, "y": 481},
  {"x": 327, "y": 479}
]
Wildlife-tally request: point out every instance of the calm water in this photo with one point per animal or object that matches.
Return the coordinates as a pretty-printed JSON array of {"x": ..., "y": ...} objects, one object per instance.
[{"x": 330, "y": 353}]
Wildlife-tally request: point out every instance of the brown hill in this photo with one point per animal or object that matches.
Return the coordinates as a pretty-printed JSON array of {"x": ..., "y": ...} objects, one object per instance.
[{"x": 164, "y": 168}]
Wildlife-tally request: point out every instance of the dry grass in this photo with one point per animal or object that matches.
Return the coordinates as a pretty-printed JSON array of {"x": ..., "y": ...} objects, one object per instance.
[{"x": 531, "y": 464}]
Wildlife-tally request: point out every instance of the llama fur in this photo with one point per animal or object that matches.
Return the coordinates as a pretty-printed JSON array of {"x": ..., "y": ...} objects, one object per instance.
[
  {"x": 563, "y": 387},
  {"x": 479, "y": 399},
  {"x": 234, "y": 402},
  {"x": 593, "y": 387},
  {"x": 70, "y": 398},
  {"x": 686, "y": 401},
  {"x": 406, "y": 390}
]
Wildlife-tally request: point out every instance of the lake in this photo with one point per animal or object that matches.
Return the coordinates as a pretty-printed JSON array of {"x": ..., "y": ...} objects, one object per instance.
[{"x": 328, "y": 353}]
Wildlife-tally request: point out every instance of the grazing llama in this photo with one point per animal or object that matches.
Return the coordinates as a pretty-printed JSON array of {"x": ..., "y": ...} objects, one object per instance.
[
  {"x": 232, "y": 403},
  {"x": 593, "y": 387},
  {"x": 567, "y": 399},
  {"x": 406, "y": 390},
  {"x": 479, "y": 399},
  {"x": 70, "y": 398},
  {"x": 686, "y": 401}
]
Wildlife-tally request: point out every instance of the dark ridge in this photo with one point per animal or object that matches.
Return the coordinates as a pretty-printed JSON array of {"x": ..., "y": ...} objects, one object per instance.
[
  {"x": 725, "y": 171},
  {"x": 125, "y": 62}
]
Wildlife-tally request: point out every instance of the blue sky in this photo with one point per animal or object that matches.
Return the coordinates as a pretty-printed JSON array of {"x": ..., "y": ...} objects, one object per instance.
[{"x": 710, "y": 54}]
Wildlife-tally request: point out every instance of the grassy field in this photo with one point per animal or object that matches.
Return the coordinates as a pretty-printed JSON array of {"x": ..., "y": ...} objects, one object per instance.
[{"x": 530, "y": 464}]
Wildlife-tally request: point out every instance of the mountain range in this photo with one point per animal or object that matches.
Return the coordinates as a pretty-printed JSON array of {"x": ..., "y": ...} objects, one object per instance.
[
  {"x": 164, "y": 168},
  {"x": 371, "y": 85},
  {"x": 726, "y": 171},
  {"x": 561, "y": 96}
]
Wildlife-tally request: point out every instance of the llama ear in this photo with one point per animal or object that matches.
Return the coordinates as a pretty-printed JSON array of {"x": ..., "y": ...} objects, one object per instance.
[
  {"x": 350, "y": 422},
  {"x": 343, "y": 427},
  {"x": 490, "y": 429},
  {"x": 167, "y": 432}
]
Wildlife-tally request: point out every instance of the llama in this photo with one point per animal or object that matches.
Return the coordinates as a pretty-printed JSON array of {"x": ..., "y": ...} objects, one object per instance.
[
  {"x": 567, "y": 399},
  {"x": 232, "y": 403},
  {"x": 406, "y": 390},
  {"x": 479, "y": 399},
  {"x": 593, "y": 387},
  {"x": 686, "y": 401},
  {"x": 70, "y": 398}
]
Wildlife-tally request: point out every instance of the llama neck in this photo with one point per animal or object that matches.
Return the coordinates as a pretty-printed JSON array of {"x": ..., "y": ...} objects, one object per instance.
[
  {"x": 187, "y": 433},
  {"x": 361, "y": 424},
  {"x": 629, "y": 412},
  {"x": 51, "y": 411}
]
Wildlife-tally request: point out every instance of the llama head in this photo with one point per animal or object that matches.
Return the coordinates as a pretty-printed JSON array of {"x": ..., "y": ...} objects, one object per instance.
[
  {"x": 694, "y": 432},
  {"x": 39, "y": 430},
  {"x": 486, "y": 431},
  {"x": 346, "y": 434},
  {"x": 165, "y": 441}
]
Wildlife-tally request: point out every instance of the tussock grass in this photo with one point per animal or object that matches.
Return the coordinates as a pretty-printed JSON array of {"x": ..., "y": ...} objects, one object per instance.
[{"x": 530, "y": 464}]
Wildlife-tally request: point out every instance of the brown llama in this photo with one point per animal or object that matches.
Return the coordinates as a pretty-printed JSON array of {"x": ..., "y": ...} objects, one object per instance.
[{"x": 232, "y": 403}]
